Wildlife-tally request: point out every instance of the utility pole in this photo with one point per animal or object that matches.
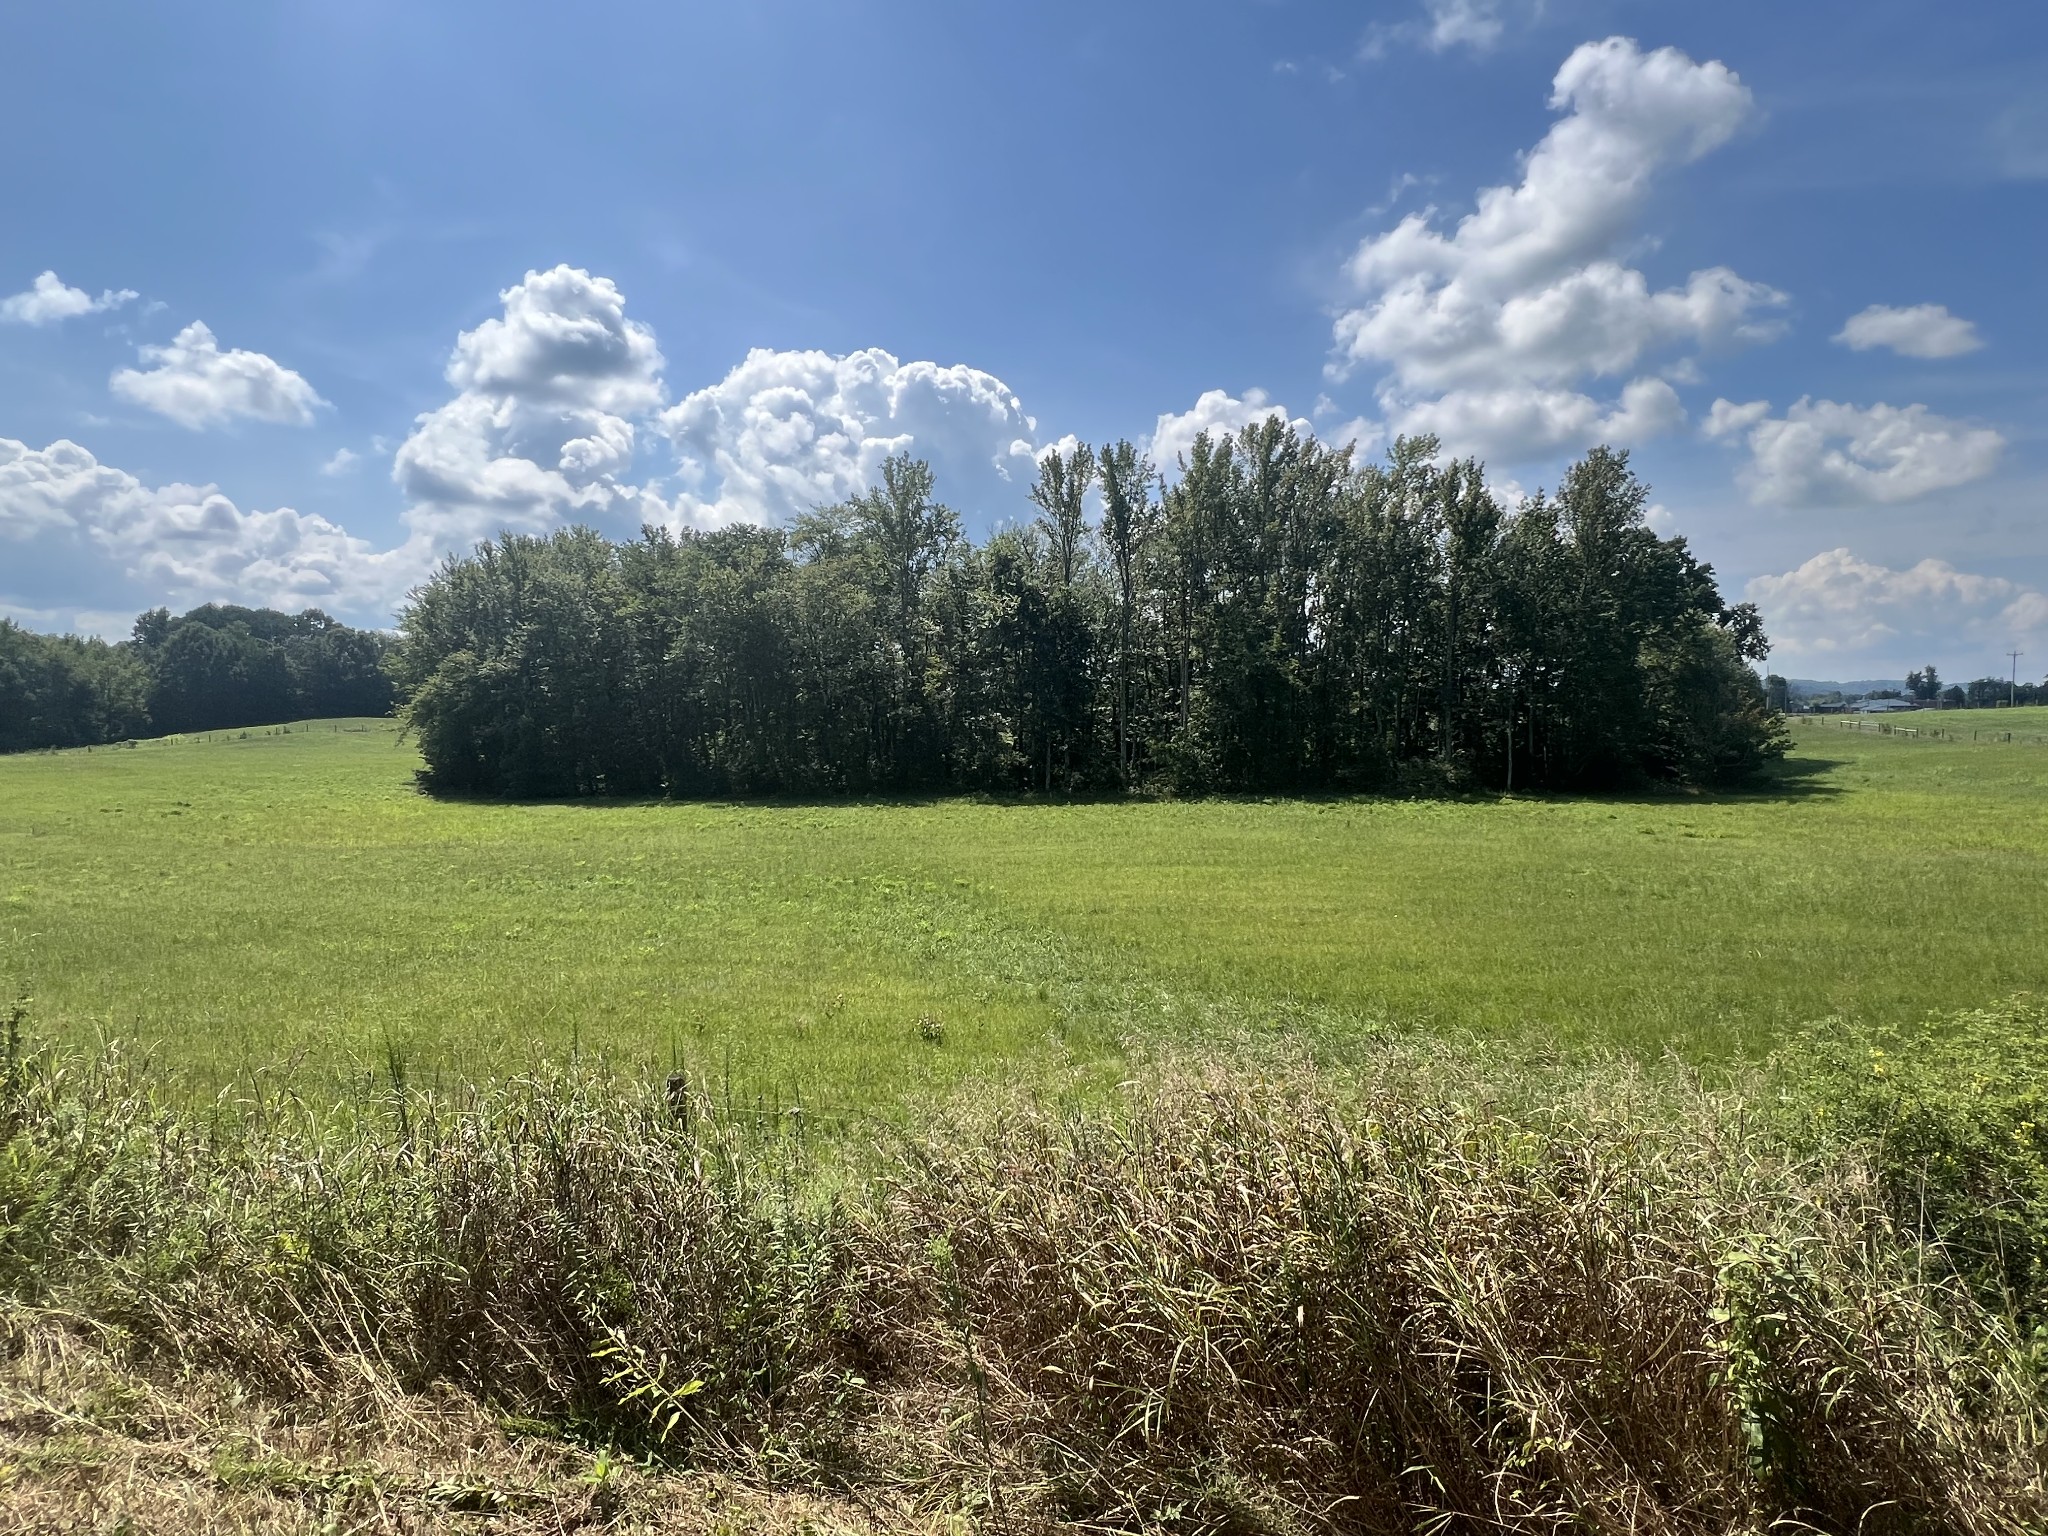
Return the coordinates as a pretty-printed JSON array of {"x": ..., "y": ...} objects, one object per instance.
[{"x": 2013, "y": 692}]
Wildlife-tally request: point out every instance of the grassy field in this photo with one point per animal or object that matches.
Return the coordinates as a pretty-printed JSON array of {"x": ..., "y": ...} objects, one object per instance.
[{"x": 285, "y": 900}]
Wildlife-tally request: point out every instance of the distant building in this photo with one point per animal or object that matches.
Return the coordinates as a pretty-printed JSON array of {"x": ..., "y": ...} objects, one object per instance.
[{"x": 1883, "y": 706}]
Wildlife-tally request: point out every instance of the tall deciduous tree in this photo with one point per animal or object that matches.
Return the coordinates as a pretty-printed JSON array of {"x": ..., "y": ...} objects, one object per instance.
[{"x": 1130, "y": 526}]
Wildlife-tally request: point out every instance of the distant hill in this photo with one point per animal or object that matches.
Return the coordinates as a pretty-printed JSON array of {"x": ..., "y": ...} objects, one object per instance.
[{"x": 1806, "y": 687}]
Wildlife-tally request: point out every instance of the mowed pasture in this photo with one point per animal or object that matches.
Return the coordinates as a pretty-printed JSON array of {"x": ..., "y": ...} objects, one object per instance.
[{"x": 285, "y": 903}]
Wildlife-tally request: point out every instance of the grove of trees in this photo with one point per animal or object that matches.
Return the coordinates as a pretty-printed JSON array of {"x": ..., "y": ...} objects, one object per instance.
[
  {"x": 1983, "y": 693},
  {"x": 1280, "y": 618},
  {"x": 1998, "y": 692},
  {"x": 63, "y": 691},
  {"x": 214, "y": 668}
]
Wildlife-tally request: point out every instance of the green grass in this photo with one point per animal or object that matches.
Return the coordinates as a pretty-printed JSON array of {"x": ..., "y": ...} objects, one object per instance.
[{"x": 287, "y": 901}]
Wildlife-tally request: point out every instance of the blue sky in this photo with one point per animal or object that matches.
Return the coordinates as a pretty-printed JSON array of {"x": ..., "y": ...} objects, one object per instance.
[{"x": 334, "y": 288}]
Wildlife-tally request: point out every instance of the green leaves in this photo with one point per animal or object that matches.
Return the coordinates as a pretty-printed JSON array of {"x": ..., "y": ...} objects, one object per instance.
[
  {"x": 1280, "y": 620},
  {"x": 1953, "y": 1114},
  {"x": 647, "y": 1384}
]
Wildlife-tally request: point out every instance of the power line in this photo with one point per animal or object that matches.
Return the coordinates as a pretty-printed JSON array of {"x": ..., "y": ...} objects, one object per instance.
[{"x": 2013, "y": 694}]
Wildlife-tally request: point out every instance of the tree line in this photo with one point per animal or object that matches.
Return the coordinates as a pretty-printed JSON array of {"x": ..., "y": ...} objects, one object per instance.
[
  {"x": 1923, "y": 687},
  {"x": 1278, "y": 618},
  {"x": 215, "y": 668},
  {"x": 1995, "y": 693}
]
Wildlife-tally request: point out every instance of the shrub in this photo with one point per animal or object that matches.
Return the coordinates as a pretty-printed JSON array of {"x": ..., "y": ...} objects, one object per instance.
[{"x": 1952, "y": 1115}]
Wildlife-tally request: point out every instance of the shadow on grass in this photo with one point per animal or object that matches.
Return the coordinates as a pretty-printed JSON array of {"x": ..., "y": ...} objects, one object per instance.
[
  {"x": 1789, "y": 782},
  {"x": 1795, "y": 779},
  {"x": 1800, "y": 778}
]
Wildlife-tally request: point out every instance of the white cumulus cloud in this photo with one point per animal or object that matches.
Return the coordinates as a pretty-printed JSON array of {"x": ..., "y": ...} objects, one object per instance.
[
  {"x": 191, "y": 542},
  {"x": 198, "y": 385},
  {"x": 1920, "y": 330},
  {"x": 1499, "y": 319},
  {"x": 564, "y": 338},
  {"x": 49, "y": 299},
  {"x": 1821, "y": 452},
  {"x": 1526, "y": 422},
  {"x": 542, "y": 426},
  {"x": 1220, "y": 414},
  {"x": 1837, "y": 605},
  {"x": 552, "y": 399},
  {"x": 556, "y": 396},
  {"x": 787, "y": 431}
]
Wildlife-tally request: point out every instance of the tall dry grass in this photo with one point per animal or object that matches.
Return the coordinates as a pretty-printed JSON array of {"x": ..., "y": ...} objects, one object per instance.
[
  {"x": 1237, "y": 1306},
  {"x": 1233, "y": 1300}
]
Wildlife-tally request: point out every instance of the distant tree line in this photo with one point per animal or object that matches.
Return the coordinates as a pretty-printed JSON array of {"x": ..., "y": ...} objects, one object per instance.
[
  {"x": 214, "y": 668},
  {"x": 1280, "y": 618},
  {"x": 1985, "y": 693},
  {"x": 1924, "y": 687},
  {"x": 1997, "y": 692}
]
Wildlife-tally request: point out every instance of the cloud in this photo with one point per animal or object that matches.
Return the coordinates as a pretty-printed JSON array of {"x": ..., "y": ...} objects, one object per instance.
[
  {"x": 552, "y": 398},
  {"x": 2019, "y": 138},
  {"x": 542, "y": 426},
  {"x": 197, "y": 385},
  {"x": 564, "y": 338},
  {"x": 192, "y": 543},
  {"x": 1525, "y": 422},
  {"x": 1397, "y": 188},
  {"x": 48, "y": 300},
  {"x": 1217, "y": 412},
  {"x": 1598, "y": 319},
  {"x": 1361, "y": 434},
  {"x": 1447, "y": 24},
  {"x": 787, "y": 431},
  {"x": 1527, "y": 296},
  {"x": 106, "y": 623},
  {"x": 1222, "y": 414},
  {"x": 555, "y": 395},
  {"x": 1823, "y": 453},
  {"x": 1463, "y": 23},
  {"x": 1838, "y": 605},
  {"x": 59, "y": 487},
  {"x": 1923, "y": 330},
  {"x": 1058, "y": 448},
  {"x": 1727, "y": 419}
]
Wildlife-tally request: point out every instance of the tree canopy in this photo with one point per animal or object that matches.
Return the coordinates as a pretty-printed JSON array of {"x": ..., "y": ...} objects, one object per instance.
[
  {"x": 63, "y": 691},
  {"x": 1278, "y": 618},
  {"x": 215, "y": 668}
]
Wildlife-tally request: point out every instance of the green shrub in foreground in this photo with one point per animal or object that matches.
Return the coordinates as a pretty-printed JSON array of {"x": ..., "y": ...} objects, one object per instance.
[{"x": 1952, "y": 1115}]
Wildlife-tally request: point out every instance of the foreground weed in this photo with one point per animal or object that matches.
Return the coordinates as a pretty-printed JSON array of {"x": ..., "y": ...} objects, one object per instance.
[{"x": 1235, "y": 1299}]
